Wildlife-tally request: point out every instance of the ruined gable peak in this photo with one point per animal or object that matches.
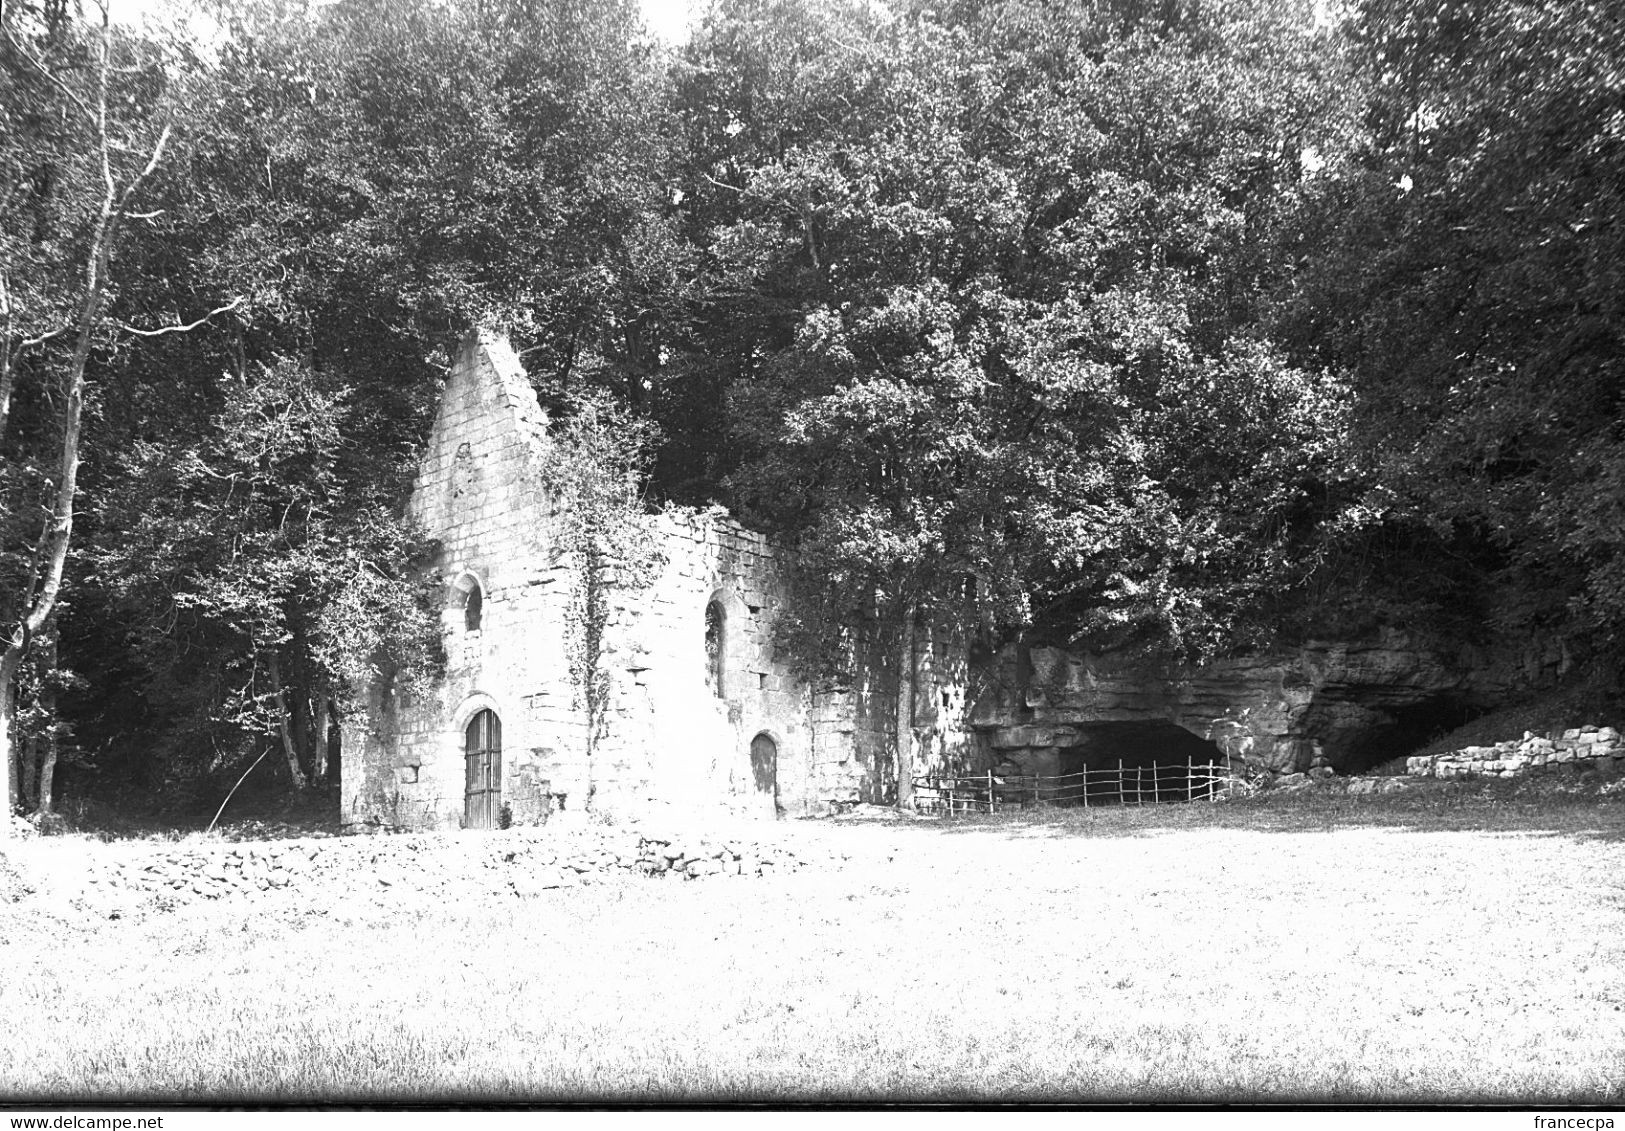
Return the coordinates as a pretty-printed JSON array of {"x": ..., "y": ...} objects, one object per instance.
[
  {"x": 487, "y": 378},
  {"x": 489, "y": 434}
]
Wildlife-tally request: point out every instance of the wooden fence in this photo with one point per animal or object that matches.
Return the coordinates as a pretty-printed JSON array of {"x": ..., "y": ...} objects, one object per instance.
[{"x": 1119, "y": 784}]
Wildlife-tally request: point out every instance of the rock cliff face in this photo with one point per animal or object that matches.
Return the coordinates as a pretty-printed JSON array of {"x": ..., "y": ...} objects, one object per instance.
[{"x": 1343, "y": 705}]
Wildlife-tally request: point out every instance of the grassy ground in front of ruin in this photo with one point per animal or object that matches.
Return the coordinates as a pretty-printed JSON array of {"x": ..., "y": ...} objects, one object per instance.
[{"x": 1452, "y": 943}]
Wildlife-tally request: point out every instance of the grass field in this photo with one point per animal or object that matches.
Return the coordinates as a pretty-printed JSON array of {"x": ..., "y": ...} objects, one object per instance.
[{"x": 1454, "y": 943}]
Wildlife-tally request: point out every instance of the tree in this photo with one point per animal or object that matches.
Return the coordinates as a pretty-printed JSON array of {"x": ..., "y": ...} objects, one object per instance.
[
  {"x": 264, "y": 575},
  {"x": 995, "y": 282},
  {"x": 371, "y": 180},
  {"x": 990, "y": 291},
  {"x": 1470, "y": 282},
  {"x": 86, "y": 179}
]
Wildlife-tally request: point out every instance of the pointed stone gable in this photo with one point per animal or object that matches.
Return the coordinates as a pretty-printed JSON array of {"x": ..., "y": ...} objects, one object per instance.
[{"x": 485, "y": 450}]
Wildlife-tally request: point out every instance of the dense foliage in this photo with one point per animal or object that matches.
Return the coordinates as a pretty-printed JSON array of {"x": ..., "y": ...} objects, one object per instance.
[{"x": 1161, "y": 324}]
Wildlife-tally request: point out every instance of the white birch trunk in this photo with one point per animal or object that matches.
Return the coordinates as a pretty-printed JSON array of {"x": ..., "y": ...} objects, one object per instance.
[{"x": 58, "y": 531}]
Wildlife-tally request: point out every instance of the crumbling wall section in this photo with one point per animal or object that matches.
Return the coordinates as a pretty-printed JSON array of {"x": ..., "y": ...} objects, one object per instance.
[{"x": 675, "y": 734}]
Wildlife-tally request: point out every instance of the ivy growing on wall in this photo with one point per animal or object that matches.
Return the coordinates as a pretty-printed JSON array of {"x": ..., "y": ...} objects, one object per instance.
[{"x": 596, "y": 465}]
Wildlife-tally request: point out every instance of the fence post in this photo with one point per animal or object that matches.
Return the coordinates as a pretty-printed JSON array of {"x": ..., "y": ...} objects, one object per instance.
[
  {"x": 992, "y": 798},
  {"x": 1156, "y": 792}
]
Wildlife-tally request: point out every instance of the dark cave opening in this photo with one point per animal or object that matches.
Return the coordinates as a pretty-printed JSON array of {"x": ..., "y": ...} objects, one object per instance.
[
  {"x": 1137, "y": 762},
  {"x": 1410, "y": 728}
]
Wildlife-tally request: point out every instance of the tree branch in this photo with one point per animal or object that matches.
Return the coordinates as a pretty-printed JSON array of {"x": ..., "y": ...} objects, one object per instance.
[
  {"x": 152, "y": 163},
  {"x": 723, "y": 184},
  {"x": 179, "y": 329},
  {"x": 5, "y": 356},
  {"x": 29, "y": 343}
]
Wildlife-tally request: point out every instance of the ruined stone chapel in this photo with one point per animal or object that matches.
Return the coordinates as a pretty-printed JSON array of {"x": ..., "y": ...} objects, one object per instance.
[{"x": 700, "y": 709}]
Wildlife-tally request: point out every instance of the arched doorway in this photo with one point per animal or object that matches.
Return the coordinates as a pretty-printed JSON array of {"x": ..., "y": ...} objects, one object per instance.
[
  {"x": 764, "y": 767},
  {"x": 482, "y": 791}
]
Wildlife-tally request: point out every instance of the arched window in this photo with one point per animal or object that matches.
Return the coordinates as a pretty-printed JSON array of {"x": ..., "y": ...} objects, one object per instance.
[
  {"x": 468, "y": 595},
  {"x": 482, "y": 749},
  {"x": 716, "y": 640}
]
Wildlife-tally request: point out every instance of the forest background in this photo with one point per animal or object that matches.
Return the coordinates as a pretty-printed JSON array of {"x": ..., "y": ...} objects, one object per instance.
[{"x": 1178, "y": 327}]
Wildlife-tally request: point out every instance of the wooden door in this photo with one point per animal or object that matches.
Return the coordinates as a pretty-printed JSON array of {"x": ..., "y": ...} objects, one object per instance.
[
  {"x": 764, "y": 766},
  {"x": 482, "y": 791}
]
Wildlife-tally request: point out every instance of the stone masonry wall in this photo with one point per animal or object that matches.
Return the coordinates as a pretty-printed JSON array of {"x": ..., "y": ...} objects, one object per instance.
[
  {"x": 673, "y": 738},
  {"x": 1591, "y": 747},
  {"x": 676, "y": 738}
]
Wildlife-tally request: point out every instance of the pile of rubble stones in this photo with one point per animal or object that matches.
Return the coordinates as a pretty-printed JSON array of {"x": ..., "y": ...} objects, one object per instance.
[{"x": 522, "y": 862}]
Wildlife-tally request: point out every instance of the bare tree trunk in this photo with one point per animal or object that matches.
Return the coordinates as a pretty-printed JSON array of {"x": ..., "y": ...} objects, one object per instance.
[
  {"x": 318, "y": 765},
  {"x": 904, "y": 759},
  {"x": 47, "y": 763},
  {"x": 333, "y": 751},
  {"x": 47, "y": 776},
  {"x": 8, "y": 692},
  {"x": 288, "y": 747},
  {"x": 28, "y": 760},
  {"x": 300, "y": 724},
  {"x": 7, "y": 374}
]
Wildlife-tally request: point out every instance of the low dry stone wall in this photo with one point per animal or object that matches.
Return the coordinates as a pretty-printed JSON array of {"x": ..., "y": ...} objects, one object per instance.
[
  {"x": 518, "y": 862},
  {"x": 1599, "y": 748},
  {"x": 1326, "y": 779}
]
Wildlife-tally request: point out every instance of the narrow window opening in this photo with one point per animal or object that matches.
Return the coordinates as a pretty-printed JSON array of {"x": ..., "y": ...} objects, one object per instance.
[
  {"x": 715, "y": 647},
  {"x": 473, "y": 608}
]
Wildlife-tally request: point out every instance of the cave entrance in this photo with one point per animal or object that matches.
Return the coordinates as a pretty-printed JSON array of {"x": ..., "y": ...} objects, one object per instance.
[
  {"x": 1117, "y": 763},
  {"x": 1407, "y": 730},
  {"x": 1139, "y": 763}
]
